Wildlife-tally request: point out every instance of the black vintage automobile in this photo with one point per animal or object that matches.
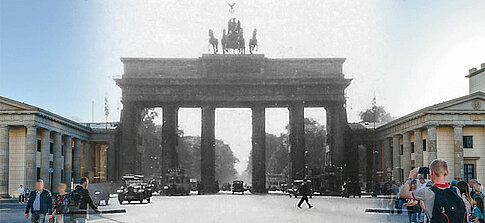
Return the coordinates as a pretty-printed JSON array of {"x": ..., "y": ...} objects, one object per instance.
[
  {"x": 238, "y": 186},
  {"x": 134, "y": 189},
  {"x": 175, "y": 182}
]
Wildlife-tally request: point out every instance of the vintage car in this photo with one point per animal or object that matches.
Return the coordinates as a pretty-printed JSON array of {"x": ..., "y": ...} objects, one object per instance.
[
  {"x": 100, "y": 192},
  {"x": 175, "y": 182},
  {"x": 134, "y": 189},
  {"x": 238, "y": 186},
  {"x": 226, "y": 187}
]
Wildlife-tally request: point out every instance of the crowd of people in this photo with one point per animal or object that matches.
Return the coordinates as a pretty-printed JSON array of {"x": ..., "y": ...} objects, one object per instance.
[
  {"x": 65, "y": 206},
  {"x": 434, "y": 200}
]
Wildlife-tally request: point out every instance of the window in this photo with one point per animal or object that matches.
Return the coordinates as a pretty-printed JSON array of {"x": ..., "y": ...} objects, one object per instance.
[
  {"x": 469, "y": 172},
  {"x": 467, "y": 141},
  {"x": 412, "y": 148},
  {"x": 62, "y": 150},
  {"x": 51, "y": 148},
  {"x": 38, "y": 172},
  {"x": 424, "y": 144},
  {"x": 39, "y": 145},
  {"x": 402, "y": 149}
]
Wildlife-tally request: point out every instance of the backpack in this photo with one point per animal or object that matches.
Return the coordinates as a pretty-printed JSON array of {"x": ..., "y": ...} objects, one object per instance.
[
  {"x": 448, "y": 206},
  {"x": 76, "y": 196}
]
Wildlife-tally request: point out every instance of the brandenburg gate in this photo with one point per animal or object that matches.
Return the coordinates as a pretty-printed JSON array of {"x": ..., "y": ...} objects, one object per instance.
[{"x": 241, "y": 81}]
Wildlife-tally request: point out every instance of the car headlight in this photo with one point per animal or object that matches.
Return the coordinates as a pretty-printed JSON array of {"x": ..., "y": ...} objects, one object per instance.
[
  {"x": 165, "y": 187},
  {"x": 119, "y": 191},
  {"x": 97, "y": 193}
]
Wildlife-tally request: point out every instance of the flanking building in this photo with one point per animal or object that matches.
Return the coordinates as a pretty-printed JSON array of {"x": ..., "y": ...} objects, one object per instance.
[
  {"x": 453, "y": 130},
  {"x": 38, "y": 144}
]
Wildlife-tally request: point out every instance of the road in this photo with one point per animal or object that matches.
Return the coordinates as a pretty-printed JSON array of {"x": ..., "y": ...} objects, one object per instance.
[{"x": 225, "y": 207}]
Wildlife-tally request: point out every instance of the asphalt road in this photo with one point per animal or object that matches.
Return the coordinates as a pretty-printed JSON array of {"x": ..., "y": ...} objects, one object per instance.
[{"x": 225, "y": 207}]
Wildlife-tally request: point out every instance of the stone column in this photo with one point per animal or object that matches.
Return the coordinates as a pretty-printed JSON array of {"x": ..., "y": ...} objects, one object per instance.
[
  {"x": 337, "y": 118},
  {"x": 111, "y": 162},
  {"x": 297, "y": 141},
  {"x": 4, "y": 164},
  {"x": 58, "y": 162},
  {"x": 169, "y": 137},
  {"x": 387, "y": 158},
  {"x": 76, "y": 161},
  {"x": 259, "y": 149},
  {"x": 458, "y": 152},
  {"x": 396, "y": 157},
  {"x": 68, "y": 160},
  {"x": 30, "y": 156},
  {"x": 87, "y": 159},
  {"x": 207, "y": 145},
  {"x": 418, "y": 147},
  {"x": 406, "y": 154},
  {"x": 432, "y": 145},
  {"x": 129, "y": 117},
  {"x": 44, "y": 157}
]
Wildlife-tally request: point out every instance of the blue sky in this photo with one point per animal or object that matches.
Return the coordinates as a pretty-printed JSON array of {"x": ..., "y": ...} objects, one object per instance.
[{"x": 62, "y": 55}]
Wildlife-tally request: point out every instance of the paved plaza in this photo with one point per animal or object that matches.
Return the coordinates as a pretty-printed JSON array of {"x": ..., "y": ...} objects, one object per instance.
[{"x": 225, "y": 207}]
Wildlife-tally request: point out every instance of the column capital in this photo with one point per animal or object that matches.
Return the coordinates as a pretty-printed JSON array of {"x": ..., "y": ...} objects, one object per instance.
[
  {"x": 458, "y": 125},
  {"x": 67, "y": 137},
  {"x": 432, "y": 124}
]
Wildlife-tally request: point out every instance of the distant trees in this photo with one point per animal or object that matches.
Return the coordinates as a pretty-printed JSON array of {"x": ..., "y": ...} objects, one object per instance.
[
  {"x": 188, "y": 151},
  {"x": 375, "y": 114},
  {"x": 277, "y": 149}
]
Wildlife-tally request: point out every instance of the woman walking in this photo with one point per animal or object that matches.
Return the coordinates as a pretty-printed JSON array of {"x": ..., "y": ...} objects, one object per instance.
[
  {"x": 478, "y": 211},
  {"x": 61, "y": 204}
]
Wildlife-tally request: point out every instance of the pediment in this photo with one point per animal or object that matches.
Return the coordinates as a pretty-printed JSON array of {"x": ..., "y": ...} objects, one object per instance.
[
  {"x": 471, "y": 103},
  {"x": 14, "y": 106}
]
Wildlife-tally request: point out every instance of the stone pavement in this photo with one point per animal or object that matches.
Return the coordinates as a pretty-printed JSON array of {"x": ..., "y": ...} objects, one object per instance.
[{"x": 225, "y": 207}]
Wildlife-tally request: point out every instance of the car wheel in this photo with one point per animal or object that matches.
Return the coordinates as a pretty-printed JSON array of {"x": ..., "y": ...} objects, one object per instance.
[
  {"x": 148, "y": 200},
  {"x": 121, "y": 201},
  {"x": 129, "y": 201}
]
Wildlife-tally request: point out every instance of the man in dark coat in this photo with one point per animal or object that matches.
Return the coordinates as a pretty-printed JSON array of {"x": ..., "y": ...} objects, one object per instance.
[
  {"x": 304, "y": 192},
  {"x": 39, "y": 204},
  {"x": 82, "y": 199}
]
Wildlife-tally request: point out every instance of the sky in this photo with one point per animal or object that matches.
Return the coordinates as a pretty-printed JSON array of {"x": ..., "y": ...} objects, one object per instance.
[{"x": 62, "y": 55}]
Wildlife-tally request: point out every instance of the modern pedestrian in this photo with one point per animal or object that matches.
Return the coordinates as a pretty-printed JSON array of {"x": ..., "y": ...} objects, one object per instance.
[
  {"x": 478, "y": 191},
  {"x": 61, "y": 204},
  {"x": 413, "y": 207},
  {"x": 39, "y": 204},
  {"x": 26, "y": 194},
  {"x": 467, "y": 199},
  {"x": 21, "y": 194},
  {"x": 442, "y": 203},
  {"x": 81, "y": 200},
  {"x": 304, "y": 192},
  {"x": 478, "y": 211}
]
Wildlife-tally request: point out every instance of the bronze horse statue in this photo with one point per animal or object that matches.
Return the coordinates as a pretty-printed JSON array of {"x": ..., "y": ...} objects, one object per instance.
[
  {"x": 234, "y": 41},
  {"x": 253, "y": 43},
  {"x": 213, "y": 41}
]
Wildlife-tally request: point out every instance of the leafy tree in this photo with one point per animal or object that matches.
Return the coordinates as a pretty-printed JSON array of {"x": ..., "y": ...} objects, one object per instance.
[{"x": 375, "y": 114}]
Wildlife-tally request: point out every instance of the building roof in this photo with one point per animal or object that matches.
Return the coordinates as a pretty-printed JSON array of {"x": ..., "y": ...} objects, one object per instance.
[
  {"x": 10, "y": 106},
  {"x": 473, "y": 103}
]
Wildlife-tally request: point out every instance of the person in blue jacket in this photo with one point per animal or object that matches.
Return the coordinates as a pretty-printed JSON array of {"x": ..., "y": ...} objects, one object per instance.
[{"x": 39, "y": 204}]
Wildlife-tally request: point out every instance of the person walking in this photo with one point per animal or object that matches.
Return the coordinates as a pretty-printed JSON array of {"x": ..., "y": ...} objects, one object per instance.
[
  {"x": 304, "y": 192},
  {"x": 39, "y": 204},
  {"x": 61, "y": 204},
  {"x": 26, "y": 194},
  {"x": 21, "y": 194},
  {"x": 82, "y": 200}
]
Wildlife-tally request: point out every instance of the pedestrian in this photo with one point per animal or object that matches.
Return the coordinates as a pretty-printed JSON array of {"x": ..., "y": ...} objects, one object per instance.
[
  {"x": 304, "y": 192},
  {"x": 478, "y": 191},
  {"x": 81, "y": 201},
  {"x": 478, "y": 211},
  {"x": 399, "y": 201},
  {"x": 413, "y": 207},
  {"x": 40, "y": 203},
  {"x": 467, "y": 199},
  {"x": 61, "y": 204},
  {"x": 21, "y": 194},
  {"x": 421, "y": 183},
  {"x": 26, "y": 194},
  {"x": 472, "y": 183},
  {"x": 442, "y": 203}
]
